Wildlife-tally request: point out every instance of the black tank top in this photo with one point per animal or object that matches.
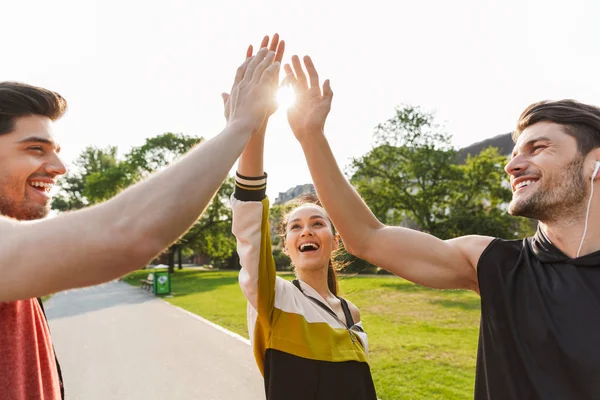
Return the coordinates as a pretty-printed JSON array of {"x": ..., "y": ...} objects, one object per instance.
[{"x": 540, "y": 323}]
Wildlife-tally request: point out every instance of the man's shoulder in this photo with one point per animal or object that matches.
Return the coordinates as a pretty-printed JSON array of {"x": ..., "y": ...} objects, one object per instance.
[
  {"x": 471, "y": 246},
  {"x": 506, "y": 243},
  {"x": 501, "y": 252},
  {"x": 478, "y": 247}
]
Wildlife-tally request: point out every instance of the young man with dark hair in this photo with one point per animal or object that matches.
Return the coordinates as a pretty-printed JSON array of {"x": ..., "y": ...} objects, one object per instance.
[
  {"x": 540, "y": 297},
  {"x": 103, "y": 242}
]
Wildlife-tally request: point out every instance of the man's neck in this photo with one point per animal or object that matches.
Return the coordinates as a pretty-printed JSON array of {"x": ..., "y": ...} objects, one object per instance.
[{"x": 566, "y": 233}]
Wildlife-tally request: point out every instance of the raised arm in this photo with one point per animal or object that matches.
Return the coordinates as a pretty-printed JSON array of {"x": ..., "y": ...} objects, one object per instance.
[
  {"x": 103, "y": 242},
  {"x": 413, "y": 255},
  {"x": 250, "y": 215}
]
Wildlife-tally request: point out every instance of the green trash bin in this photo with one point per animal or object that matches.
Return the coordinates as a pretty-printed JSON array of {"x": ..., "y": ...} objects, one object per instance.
[{"x": 162, "y": 283}]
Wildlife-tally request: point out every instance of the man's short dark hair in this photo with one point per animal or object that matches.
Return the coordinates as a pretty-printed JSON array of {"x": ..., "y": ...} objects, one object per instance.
[
  {"x": 582, "y": 121},
  {"x": 20, "y": 100}
]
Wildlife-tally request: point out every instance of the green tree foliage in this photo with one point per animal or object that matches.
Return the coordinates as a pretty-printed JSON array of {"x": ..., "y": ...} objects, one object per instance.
[
  {"x": 276, "y": 214},
  {"x": 159, "y": 151},
  {"x": 211, "y": 235},
  {"x": 412, "y": 178},
  {"x": 99, "y": 175},
  {"x": 96, "y": 174}
]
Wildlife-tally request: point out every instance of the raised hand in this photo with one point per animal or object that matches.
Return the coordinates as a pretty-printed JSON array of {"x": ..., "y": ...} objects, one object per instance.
[
  {"x": 309, "y": 113},
  {"x": 276, "y": 46}
]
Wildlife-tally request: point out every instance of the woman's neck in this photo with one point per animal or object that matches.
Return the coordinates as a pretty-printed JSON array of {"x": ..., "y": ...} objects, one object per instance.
[{"x": 317, "y": 279}]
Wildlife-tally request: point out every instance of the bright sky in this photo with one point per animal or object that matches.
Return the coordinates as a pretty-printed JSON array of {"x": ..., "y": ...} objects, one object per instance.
[{"x": 134, "y": 69}]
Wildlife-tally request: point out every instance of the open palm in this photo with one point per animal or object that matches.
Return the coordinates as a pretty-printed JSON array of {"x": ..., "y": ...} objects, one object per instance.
[{"x": 309, "y": 112}]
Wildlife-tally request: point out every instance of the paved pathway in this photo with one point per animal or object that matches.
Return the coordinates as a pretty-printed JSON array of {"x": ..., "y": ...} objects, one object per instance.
[{"x": 115, "y": 341}]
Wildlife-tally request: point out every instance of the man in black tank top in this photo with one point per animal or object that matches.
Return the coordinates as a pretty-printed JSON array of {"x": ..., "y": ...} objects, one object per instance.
[
  {"x": 540, "y": 321},
  {"x": 540, "y": 297}
]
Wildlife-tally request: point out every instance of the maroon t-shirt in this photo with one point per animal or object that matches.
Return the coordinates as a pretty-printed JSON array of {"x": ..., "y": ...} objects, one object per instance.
[{"x": 27, "y": 363}]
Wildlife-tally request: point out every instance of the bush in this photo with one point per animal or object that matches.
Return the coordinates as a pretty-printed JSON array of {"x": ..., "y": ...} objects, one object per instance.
[
  {"x": 355, "y": 265},
  {"x": 282, "y": 261}
]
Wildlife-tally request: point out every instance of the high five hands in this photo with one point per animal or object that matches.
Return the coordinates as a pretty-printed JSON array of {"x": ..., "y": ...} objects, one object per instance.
[
  {"x": 308, "y": 114},
  {"x": 253, "y": 94}
]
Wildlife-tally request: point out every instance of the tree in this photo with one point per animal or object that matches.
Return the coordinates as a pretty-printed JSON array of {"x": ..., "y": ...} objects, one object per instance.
[
  {"x": 411, "y": 178},
  {"x": 97, "y": 175},
  {"x": 211, "y": 234},
  {"x": 159, "y": 151},
  {"x": 155, "y": 154},
  {"x": 478, "y": 203},
  {"x": 276, "y": 214}
]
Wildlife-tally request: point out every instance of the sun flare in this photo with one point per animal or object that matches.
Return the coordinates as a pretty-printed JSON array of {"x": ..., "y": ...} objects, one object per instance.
[{"x": 286, "y": 97}]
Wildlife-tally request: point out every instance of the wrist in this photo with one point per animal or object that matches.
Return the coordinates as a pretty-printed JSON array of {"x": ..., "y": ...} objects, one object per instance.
[
  {"x": 263, "y": 129},
  {"x": 310, "y": 135},
  {"x": 248, "y": 126},
  {"x": 240, "y": 127}
]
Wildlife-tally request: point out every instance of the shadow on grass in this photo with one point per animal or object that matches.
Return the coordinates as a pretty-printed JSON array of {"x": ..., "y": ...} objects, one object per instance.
[
  {"x": 466, "y": 304},
  {"x": 406, "y": 286}
]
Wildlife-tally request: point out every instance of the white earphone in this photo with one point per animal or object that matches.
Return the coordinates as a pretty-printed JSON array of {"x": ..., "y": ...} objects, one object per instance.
[{"x": 596, "y": 169}]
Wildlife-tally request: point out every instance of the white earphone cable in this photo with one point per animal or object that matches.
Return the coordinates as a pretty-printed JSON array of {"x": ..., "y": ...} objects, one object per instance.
[
  {"x": 587, "y": 216},
  {"x": 587, "y": 213}
]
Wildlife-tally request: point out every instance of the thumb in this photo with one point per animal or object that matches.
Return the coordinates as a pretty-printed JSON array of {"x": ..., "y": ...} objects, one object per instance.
[{"x": 225, "y": 97}]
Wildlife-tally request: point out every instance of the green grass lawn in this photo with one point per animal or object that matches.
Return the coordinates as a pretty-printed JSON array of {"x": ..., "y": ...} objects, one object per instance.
[{"x": 422, "y": 342}]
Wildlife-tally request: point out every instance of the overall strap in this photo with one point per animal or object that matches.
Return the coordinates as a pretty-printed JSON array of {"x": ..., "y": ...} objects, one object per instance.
[
  {"x": 347, "y": 313},
  {"x": 60, "y": 378}
]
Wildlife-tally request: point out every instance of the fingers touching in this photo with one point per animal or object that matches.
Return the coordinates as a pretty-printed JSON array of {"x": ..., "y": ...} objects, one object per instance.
[
  {"x": 273, "y": 53},
  {"x": 271, "y": 73},
  {"x": 252, "y": 97},
  {"x": 276, "y": 45},
  {"x": 254, "y": 62},
  {"x": 241, "y": 71}
]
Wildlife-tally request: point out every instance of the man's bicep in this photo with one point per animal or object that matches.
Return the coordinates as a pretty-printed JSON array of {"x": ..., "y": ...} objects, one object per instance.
[{"x": 421, "y": 258}]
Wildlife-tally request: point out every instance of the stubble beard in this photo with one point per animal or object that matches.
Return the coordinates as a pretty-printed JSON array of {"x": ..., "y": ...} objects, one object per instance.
[
  {"x": 560, "y": 196},
  {"x": 24, "y": 210}
]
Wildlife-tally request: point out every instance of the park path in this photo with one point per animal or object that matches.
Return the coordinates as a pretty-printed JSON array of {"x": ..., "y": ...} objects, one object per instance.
[{"x": 116, "y": 341}]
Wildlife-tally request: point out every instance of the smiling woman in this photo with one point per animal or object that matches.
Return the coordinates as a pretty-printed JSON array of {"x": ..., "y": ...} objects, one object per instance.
[{"x": 308, "y": 342}]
